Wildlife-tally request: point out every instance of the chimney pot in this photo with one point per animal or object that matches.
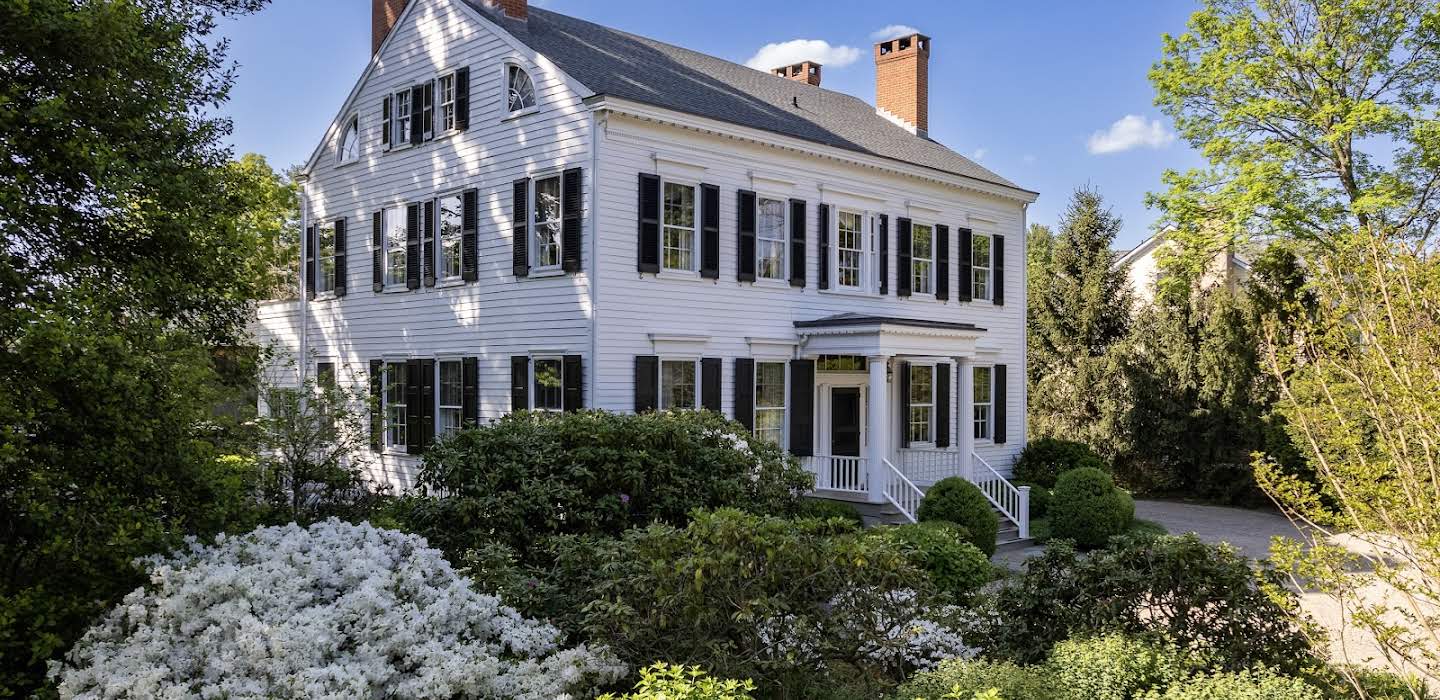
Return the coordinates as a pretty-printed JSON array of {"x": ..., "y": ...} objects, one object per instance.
[
  {"x": 902, "y": 81},
  {"x": 807, "y": 72}
]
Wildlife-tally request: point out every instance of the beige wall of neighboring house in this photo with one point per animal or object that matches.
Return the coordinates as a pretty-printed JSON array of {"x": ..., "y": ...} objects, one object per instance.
[{"x": 1143, "y": 268}]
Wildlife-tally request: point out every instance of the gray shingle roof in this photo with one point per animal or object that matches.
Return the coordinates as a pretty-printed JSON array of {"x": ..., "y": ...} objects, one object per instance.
[{"x": 623, "y": 65}]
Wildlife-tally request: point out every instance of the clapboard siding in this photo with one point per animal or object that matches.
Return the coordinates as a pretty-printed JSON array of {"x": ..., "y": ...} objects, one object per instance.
[
  {"x": 633, "y": 306},
  {"x": 498, "y": 315}
]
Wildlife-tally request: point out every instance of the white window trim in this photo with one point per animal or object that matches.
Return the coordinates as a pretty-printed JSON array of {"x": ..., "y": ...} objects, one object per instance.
[
  {"x": 990, "y": 415},
  {"x": 505, "y": 91},
  {"x": 385, "y": 446},
  {"x": 532, "y": 393},
  {"x": 921, "y": 444},
  {"x": 755, "y": 407},
  {"x": 694, "y": 270},
  {"x": 320, "y": 260},
  {"x": 533, "y": 247},
  {"x": 784, "y": 278},
  {"x": 400, "y": 138},
  {"x": 402, "y": 214},
  {"x": 459, "y": 277},
  {"x": 660, "y": 381},
  {"x": 867, "y": 282},
  {"x": 440, "y": 359},
  {"x": 440, "y": 104},
  {"x": 933, "y": 261},
  {"x": 340, "y": 161},
  {"x": 990, "y": 268}
]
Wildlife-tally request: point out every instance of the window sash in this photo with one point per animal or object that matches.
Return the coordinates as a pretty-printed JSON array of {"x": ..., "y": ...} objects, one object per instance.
[
  {"x": 449, "y": 397},
  {"x": 922, "y": 259},
  {"x": 771, "y": 238},
  {"x": 769, "y": 408},
  {"x": 401, "y": 135},
  {"x": 982, "y": 396},
  {"x": 678, "y": 387},
  {"x": 446, "y": 97},
  {"x": 548, "y": 199},
  {"x": 325, "y": 257},
  {"x": 679, "y": 222},
  {"x": 394, "y": 241},
  {"x": 980, "y": 267},
  {"x": 450, "y": 236},
  {"x": 922, "y": 403},
  {"x": 850, "y": 250},
  {"x": 548, "y": 381},
  {"x": 393, "y": 397}
]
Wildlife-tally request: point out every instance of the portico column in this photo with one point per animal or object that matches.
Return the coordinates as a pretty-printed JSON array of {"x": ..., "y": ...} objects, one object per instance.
[
  {"x": 965, "y": 403},
  {"x": 878, "y": 427}
]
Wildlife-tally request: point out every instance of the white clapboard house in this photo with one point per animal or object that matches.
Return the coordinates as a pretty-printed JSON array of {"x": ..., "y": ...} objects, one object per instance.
[{"x": 517, "y": 209}]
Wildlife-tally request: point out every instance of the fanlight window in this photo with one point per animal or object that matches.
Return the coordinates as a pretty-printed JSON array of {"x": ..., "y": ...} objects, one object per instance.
[
  {"x": 519, "y": 88},
  {"x": 350, "y": 141}
]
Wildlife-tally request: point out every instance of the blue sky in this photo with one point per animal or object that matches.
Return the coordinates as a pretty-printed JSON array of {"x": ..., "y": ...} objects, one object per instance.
[{"x": 1051, "y": 95}]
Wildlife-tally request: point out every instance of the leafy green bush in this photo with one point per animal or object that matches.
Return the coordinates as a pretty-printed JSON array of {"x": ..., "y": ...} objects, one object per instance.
[
  {"x": 825, "y": 509},
  {"x": 1116, "y": 666},
  {"x": 973, "y": 676},
  {"x": 593, "y": 472},
  {"x": 1040, "y": 499},
  {"x": 954, "y": 565},
  {"x": 961, "y": 502},
  {"x": 1088, "y": 509},
  {"x": 1244, "y": 685},
  {"x": 1044, "y": 460},
  {"x": 784, "y": 602},
  {"x": 662, "y": 681},
  {"x": 1207, "y": 599}
]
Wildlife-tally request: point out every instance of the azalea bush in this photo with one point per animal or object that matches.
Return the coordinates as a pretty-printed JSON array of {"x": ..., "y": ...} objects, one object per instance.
[{"x": 332, "y": 610}]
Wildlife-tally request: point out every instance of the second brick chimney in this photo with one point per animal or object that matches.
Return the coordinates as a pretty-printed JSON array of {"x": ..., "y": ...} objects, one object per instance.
[
  {"x": 902, "y": 81},
  {"x": 514, "y": 9},
  {"x": 804, "y": 72}
]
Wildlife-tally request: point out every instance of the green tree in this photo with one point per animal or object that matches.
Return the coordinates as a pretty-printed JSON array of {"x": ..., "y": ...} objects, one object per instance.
[
  {"x": 1039, "y": 247},
  {"x": 269, "y": 224},
  {"x": 1079, "y": 314}
]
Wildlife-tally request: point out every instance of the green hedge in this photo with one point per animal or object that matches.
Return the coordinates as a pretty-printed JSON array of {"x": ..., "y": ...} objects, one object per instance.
[
  {"x": 1245, "y": 685},
  {"x": 1044, "y": 460},
  {"x": 1088, "y": 509},
  {"x": 961, "y": 502},
  {"x": 939, "y": 547},
  {"x": 971, "y": 676},
  {"x": 1117, "y": 667}
]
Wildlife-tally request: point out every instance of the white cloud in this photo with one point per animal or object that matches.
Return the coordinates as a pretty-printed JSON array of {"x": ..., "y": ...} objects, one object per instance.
[
  {"x": 796, "y": 50},
  {"x": 1130, "y": 131},
  {"x": 980, "y": 153},
  {"x": 892, "y": 31}
]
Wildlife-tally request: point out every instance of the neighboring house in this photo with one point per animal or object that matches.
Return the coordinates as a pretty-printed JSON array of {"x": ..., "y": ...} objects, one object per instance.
[
  {"x": 516, "y": 209},
  {"x": 1225, "y": 268}
]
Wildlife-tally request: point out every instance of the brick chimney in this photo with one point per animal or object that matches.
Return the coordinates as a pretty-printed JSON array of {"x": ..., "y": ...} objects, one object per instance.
[
  {"x": 514, "y": 9},
  {"x": 383, "y": 15},
  {"x": 804, "y": 72},
  {"x": 902, "y": 81}
]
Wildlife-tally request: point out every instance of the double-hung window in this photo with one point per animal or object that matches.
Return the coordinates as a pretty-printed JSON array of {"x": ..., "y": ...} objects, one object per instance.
[
  {"x": 679, "y": 219},
  {"x": 922, "y": 403},
  {"x": 451, "y": 239},
  {"x": 850, "y": 250},
  {"x": 350, "y": 141},
  {"x": 678, "y": 386},
  {"x": 770, "y": 401},
  {"x": 325, "y": 257},
  {"x": 445, "y": 92},
  {"x": 395, "y": 381},
  {"x": 450, "y": 397},
  {"x": 980, "y": 266},
  {"x": 549, "y": 385},
  {"x": 547, "y": 221},
  {"x": 401, "y": 135},
  {"x": 394, "y": 242},
  {"x": 984, "y": 402},
  {"x": 922, "y": 259},
  {"x": 770, "y": 238}
]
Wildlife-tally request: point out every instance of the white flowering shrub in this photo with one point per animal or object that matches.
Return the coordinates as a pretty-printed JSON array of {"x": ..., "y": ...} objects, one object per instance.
[{"x": 330, "y": 611}]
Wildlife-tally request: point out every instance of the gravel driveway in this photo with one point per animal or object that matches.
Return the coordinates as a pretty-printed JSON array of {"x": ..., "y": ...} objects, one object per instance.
[{"x": 1248, "y": 530}]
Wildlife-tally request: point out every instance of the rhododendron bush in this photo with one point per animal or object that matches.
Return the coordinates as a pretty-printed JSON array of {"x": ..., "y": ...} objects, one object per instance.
[{"x": 333, "y": 610}]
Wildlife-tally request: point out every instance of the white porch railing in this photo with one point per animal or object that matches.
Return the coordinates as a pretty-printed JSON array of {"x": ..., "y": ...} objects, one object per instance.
[
  {"x": 929, "y": 466},
  {"x": 901, "y": 492},
  {"x": 1012, "y": 502},
  {"x": 838, "y": 473}
]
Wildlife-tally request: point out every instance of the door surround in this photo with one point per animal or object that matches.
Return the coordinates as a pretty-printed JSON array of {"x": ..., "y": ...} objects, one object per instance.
[{"x": 824, "y": 382}]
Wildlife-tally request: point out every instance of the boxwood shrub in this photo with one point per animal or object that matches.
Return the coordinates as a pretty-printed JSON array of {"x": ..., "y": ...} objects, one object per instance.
[
  {"x": 961, "y": 502},
  {"x": 1044, "y": 460},
  {"x": 939, "y": 547},
  {"x": 1088, "y": 509}
]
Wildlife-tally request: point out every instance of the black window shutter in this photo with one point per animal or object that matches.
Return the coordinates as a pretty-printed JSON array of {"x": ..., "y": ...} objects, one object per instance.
[
  {"x": 647, "y": 379},
  {"x": 573, "y": 398},
  {"x": 884, "y": 254},
  {"x": 965, "y": 282},
  {"x": 377, "y": 409},
  {"x": 414, "y": 409},
  {"x": 572, "y": 227},
  {"x": 520, "y": 227},
  {"x": 417, "y": 104},
  {"x": 997, "y": 263},
  {"x": 942, "y": 405},
  {"x": 385, "y": 122},
  {"x": 709, "y": 231},
  {"x": 998, "y": 395},
  {"x": 519, "y": 382},
  {"x": 427, "y": 404},
  {"x": 470, "y": 384},
  {"x": 427, "y": 124},
  {"x": 710, "y": 384},
  {"x": 802, "y": 410},
  {"x": 427, "y": 249},
  {"x": 903, "y": 273},
  {"x": 942, "y": 262},
  {"x": 462, "y": 98},
  {"x": 824, "y": 247},
  {"x": 412, "y": 246},
  {"x": 311, "y": 242},
  {"x": 745, "y": 392},
  {"x": 470, "y": 235},
  {"x": 341, "y": 268},
  {"x": 797, "y": 243},
  {"x": 745, "y": 242},
  {"x": 647, "y": 241},
  {"x": 902, "y": 373},
  {"x": 377, "y": 251}
]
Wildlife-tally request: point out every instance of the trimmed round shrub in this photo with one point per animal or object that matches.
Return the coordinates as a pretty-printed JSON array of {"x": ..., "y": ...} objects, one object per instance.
[
  {"x": 1245, "y": 685},
  {"x": 1088, "y": 509},
  {"x": 826, "y": 509},
  {"x": 961, "y": 502},
  {"x": 1044, "y": 460},
  {"x": 1117, "y": 667},
  {"x": 1040, "y": 499},
  {"x": 976, "y": 676},
  {"x": 939, "y": 547}
]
